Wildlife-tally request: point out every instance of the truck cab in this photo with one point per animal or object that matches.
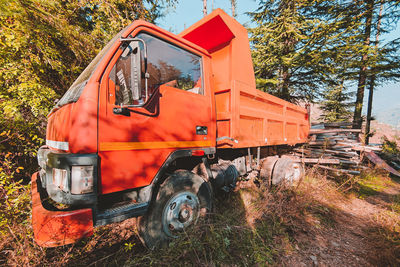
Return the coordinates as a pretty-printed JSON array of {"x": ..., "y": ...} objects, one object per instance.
[{"x": 148, "y": 114}]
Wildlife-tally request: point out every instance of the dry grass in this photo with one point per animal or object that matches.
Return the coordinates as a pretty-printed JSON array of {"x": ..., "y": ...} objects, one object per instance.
[{"x": 320, "y": 220}]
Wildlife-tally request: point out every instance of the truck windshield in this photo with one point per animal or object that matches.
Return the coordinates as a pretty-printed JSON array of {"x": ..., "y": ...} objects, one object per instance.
[
  {"x": 74, "y": 92},
  {"x": 171, "y": 65}
]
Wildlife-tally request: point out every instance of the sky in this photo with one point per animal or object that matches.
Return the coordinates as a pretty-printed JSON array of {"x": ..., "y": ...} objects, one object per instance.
[{"x": 187, "y": 12}]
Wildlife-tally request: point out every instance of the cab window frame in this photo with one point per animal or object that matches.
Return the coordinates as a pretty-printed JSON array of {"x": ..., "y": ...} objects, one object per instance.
[{"x": 177, "y": 45}]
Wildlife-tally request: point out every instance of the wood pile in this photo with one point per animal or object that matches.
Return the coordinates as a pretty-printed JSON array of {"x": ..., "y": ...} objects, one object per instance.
[{"x": 334, "y": 147}]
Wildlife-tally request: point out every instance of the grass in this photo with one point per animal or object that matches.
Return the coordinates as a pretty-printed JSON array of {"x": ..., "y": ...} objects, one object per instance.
[
  {"x": 395, "y": 203},
  {"x": 251, "y": 226},
  {"x": 371, "y": 183}
]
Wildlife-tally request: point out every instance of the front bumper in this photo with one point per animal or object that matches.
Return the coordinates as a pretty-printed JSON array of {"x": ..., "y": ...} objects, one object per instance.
[{"x": 52, "y": 227}]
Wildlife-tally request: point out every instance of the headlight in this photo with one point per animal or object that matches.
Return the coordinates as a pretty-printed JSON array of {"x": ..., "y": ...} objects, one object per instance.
[
  {"x": 60, "y": 179},
  {"x": 81, "y": 179}
]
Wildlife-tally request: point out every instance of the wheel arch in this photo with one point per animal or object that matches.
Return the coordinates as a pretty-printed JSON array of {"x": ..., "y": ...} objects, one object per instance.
[{"x": 170, "y": 165}]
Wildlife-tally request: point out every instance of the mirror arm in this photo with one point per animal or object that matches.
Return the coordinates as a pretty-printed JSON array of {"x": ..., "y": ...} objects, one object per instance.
[{"x": 130, "y": 39}]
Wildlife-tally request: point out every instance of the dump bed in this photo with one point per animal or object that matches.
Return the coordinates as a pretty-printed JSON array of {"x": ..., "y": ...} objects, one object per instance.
[
  {"x": 246, "y": 117},
  {"x": 254, "y": 118}
]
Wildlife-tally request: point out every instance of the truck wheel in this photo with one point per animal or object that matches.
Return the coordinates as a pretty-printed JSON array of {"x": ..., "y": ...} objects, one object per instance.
[
  {"x": 267, "y": 167},
  {"x": 286, "y": 171},
  {"x": 183, "y": 198}
]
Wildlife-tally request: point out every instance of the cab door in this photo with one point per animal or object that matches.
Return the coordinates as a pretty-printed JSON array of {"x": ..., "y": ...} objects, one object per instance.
[{"x": 134, "y": 142}]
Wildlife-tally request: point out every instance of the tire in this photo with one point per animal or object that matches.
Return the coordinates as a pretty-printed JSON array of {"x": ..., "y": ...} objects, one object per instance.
[
  {"x": 182, "y": 200},
  {"x": 286, "y": 172},
  {"x": 267, "y": 167}
]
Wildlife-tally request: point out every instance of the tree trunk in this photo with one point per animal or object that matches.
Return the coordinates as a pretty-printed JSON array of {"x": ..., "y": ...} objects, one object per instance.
[
  {"x": 204, "y": 8},
  {"x": 233, "y": 5},
  {"x": 357, "y": 120},
  {"x": 372, "y": 80},
  {"x": 285, "y": 83},
  {"x": 369, "y": 111},
  {"x": 288, "y": 47}
]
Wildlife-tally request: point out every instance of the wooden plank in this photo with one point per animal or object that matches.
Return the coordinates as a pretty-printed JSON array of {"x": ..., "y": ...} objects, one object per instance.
[
  {"x": 350, "y": 162},
  {"x": 380, "y": 163},
  {"x": 325, "y": 161},
  {"x": 366, "y": 148},
  {"x": 330, "y": 151},
  {"x": 338, "y": 170},
  {"x": 321, "y": 131},
  {"x": 319, "y": 161},
  {"x": 338, "y": 124},
  {"x": 320, "y": 143},
  {"x": 346, "y": 155},
  {"x": 348, "y": 142}
]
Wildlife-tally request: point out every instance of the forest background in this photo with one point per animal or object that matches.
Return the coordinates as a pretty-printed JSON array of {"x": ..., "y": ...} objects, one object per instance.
[{"x": 303, "y": 50}]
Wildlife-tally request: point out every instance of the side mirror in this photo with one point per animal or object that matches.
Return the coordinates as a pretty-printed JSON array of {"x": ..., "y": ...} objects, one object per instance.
[{"x": 136, "y": 71}]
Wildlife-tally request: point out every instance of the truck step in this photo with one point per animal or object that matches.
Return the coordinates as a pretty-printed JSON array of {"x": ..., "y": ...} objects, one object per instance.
[{"x": 121, "y": 213}]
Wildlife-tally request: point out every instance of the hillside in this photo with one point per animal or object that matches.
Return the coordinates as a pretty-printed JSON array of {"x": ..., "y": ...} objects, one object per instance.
[
  {"x": 381, "y": 129},
  {"x": 389, "y": 116}
]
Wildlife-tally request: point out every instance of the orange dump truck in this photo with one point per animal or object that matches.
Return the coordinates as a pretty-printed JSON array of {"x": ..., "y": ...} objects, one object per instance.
[{"x": 154, "y": 127}]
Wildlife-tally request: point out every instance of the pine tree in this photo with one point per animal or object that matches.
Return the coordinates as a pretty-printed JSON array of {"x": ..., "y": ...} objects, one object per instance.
[
  {"x": 296, "y": 43},
  {"x": 377, "y": 63},
  {"x": 336, "y": 104},
  {"x": 233, "y": 8}
]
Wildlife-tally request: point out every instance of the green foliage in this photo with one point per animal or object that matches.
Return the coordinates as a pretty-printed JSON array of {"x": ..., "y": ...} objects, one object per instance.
[
  {"x": 44, "y": 45},
  {"x": 298, "y": 46},
  {"x": 336, "y": 105},
  {"x": 390, "y": 147},
  {"x": 15, "y": 208},
  {"x": 303, "y": 46},
  {"x": 377, "y": 62}
]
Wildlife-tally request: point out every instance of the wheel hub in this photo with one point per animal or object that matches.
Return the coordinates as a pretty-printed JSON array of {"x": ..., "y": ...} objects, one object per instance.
[
  {"x": 185, "y": 214},
  {"x": 180, "y": 211}
]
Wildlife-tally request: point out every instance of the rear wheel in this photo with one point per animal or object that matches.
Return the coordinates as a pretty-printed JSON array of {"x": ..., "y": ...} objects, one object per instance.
[{"x": 182, "y": 200}]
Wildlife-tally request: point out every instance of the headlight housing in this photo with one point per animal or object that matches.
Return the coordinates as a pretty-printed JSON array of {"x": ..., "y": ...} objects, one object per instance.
[
  {"x": 71, "y": 179},
  {"x": 60, "y": 179},
  {"x": 81, "y": 180}
]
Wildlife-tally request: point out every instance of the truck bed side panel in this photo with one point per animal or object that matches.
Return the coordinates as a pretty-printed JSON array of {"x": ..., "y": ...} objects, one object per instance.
[{"x": 254, "y": 118}]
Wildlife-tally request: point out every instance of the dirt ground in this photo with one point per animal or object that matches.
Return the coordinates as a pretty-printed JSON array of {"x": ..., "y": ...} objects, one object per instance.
[{"x": 356, "y": 234}]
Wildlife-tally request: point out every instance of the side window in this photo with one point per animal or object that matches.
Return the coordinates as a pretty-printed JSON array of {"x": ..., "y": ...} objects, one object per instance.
[
  {"x": 167, "y": 64},
  {"x": 170, "y": 65}
]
